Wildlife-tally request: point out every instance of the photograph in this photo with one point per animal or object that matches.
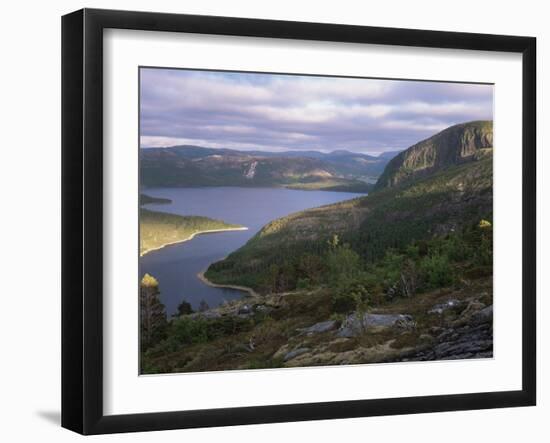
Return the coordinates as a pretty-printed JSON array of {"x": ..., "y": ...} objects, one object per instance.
[{"x": 298, "y": 220}]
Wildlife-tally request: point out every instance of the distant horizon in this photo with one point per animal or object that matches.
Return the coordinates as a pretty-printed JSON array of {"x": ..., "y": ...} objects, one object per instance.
[
  {"x": 372, "y": 154},
  {"x": 283, "y": 112}
]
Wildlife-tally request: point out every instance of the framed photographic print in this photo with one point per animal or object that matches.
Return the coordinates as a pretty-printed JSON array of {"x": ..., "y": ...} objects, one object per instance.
[{"x": 269, "y": 221}]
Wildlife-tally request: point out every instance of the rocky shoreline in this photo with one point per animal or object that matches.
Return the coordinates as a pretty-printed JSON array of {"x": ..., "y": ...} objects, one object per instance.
[{"x": 203, "y": 278}]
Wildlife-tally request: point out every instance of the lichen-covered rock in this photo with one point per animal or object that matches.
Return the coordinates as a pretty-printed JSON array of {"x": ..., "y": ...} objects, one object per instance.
[
  {"x": 378, "y": 353},
  {"x": 483, "y": 316},
  {"x": 468, "y": 313},
  {"x": 281, "y": 352},
  {"x": 318, "y": 328},
  {"x": 354, "y": 325},
  {"x": 295, "y": 353},
  {"x": 440, "y": 308}
]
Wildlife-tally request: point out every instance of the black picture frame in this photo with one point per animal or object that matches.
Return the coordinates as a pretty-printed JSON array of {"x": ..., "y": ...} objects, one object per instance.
[{"x": 82, "y": 218}]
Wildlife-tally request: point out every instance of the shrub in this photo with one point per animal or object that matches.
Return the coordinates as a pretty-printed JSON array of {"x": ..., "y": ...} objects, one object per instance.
[
  {"x": 337, "y": 317},
  {"x": 189, "y": 331},
  {"x": 343, "y": 302},
  {"x": 436, "y": 270},
  {"x": 185, "y": 331},
  {"x": 344, "y": 264},
  {"x": 349, "y": 296},
  {"x": 303, "y": 283},
  {"x": 391, "y": 266},
  {"x": 457, "y": 249},
  {"x": 412, "y": 251},
  {"x": 312, "y": 268}
]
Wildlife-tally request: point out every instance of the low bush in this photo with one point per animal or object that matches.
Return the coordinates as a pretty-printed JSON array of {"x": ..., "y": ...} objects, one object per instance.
[
  {"x": 349, "y": 294},
  {"x": 436, "y": 271}
]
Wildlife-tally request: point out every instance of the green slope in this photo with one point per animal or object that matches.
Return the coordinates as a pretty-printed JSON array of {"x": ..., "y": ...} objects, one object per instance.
[{"x": 157, "y": 229}]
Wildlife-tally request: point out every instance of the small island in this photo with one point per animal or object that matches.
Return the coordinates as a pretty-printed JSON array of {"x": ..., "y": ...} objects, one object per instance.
[
  {"x": 159, "y": 229},
  {"x": 145, "y": 199}
]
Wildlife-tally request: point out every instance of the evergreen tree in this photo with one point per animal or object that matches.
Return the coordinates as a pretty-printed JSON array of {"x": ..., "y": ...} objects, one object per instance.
[
  {"x": 184, "y": 308},
  {"x": 152, "y": 312},
  {"x": 203, "y": 306}
]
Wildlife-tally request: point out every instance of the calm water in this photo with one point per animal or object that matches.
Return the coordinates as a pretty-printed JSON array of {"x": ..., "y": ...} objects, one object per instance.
[{"x": 176, "y": 266}]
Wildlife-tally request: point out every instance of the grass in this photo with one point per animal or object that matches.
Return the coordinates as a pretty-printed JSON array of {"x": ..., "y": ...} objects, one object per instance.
[
  {"x": 158, "y": 229},
  {"x": 332, "y": 184}
]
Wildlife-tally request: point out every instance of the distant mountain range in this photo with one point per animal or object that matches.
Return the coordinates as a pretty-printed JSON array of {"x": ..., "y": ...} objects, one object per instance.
[{"x": 198, "y": 166}]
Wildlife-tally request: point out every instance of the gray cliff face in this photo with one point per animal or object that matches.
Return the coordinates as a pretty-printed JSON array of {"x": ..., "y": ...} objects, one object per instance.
[{"x": 453, "y": 146}]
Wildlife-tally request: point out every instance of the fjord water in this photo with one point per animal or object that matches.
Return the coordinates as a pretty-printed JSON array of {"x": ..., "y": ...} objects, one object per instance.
[{"x": 176, "y": 266}]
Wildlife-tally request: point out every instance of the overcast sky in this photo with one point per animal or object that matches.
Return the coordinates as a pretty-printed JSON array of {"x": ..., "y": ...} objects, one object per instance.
[{"x": 289, "y": 112}]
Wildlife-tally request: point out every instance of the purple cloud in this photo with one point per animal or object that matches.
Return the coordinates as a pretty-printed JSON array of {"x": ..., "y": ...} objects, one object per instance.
[{"x": 280, "y": 112}]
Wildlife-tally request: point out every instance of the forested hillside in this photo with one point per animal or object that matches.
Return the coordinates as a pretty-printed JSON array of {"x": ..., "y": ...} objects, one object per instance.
[{"x": 446, "y": 203}]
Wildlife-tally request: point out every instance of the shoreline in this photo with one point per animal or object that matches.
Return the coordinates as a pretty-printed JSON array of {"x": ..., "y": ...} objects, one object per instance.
[
  {"x": 246, "y": 289},
  {"x": 191, "y": 237}
]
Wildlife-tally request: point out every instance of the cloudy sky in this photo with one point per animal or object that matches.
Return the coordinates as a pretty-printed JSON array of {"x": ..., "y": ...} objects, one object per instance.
[{"x": 289, "y": 112}]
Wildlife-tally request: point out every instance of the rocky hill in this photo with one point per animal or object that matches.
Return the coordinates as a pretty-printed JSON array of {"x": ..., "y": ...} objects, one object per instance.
[{"x": 453, "y": 146}]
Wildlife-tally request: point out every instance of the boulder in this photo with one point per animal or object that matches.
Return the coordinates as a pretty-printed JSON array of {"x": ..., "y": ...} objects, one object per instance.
[
  {"x": 467, "y": 315},
  {"x": 318, "y": 328},
  {"x": 245, "y": 310},
  {"x": 471, "y": 309},
  {"x": 461, "y": 343},
  {"x": 353, "y": 326},
  {"x": 483, "y": 316},
  {"x": 295, "y": 353},
  {"x": 440, "y": 308}
]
